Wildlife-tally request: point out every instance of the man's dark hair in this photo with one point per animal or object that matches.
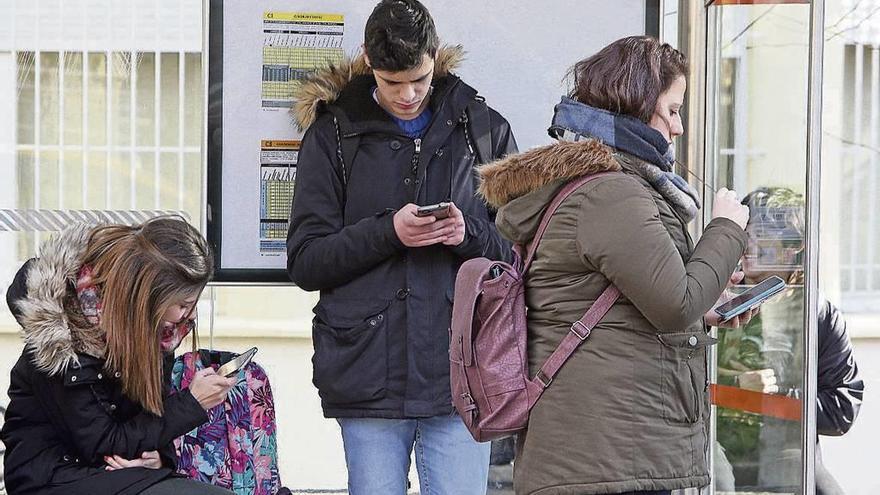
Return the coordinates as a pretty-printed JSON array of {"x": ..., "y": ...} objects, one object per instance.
[
  {"x": 397, "y": 35},
  {"x": 628, "y": 76}
]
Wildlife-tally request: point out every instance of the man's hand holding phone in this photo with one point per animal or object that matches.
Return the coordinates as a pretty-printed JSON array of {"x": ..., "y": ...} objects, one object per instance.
[{"x": 419, "y": 231}]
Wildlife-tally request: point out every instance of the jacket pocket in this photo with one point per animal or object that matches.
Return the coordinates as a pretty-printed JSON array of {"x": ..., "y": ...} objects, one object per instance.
[
  {"x": 351, "y": 357},
  {"x": 683, "y": 364}
]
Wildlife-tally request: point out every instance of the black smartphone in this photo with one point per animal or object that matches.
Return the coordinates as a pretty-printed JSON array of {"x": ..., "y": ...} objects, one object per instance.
[
  {"x": 768, "y": 288},
  {"x": 438, "y": 211},
  {"x": 235, "y": 364}
]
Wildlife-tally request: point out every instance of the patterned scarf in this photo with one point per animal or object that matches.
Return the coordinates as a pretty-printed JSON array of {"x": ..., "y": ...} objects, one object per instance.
[
  {"x": 573, "y": 121},
  {"x": 89, "y": 296}
]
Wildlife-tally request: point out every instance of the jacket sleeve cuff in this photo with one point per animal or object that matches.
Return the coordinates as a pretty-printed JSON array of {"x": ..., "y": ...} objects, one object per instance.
[
  {"x": 470, "y": 245},
  {"x": 388, "y": 232},
  {"x": 731, "y": 228},
  {"x": 191, "y": 413}
]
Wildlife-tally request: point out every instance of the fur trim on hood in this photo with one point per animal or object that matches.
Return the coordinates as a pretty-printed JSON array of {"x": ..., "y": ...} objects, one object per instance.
[
  {"x": 325, "y": 85},
  {"x": 517, "y": 175},
  {"x": 47, "y": 330}
]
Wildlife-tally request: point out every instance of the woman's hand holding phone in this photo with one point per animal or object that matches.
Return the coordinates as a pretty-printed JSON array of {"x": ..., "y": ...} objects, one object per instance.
[
  {"x": 209, "y": 388},
  {"x": 714, "y": 319}
]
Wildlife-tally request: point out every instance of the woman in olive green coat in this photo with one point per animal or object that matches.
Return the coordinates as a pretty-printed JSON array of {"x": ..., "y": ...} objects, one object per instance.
[{"x": 627, "y": 413}]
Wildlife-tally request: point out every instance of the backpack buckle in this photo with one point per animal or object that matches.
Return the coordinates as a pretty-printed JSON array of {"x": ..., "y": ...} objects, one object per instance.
[
  {"x": 586, "y": 331},
  {"x": 543, "y": 379}
]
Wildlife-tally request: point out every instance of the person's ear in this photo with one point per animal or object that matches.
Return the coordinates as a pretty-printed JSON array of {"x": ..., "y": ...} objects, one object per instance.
[{"x": 366, "y": 57}]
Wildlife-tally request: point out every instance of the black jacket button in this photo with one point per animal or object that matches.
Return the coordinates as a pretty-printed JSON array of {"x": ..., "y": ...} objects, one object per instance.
[
  {"x": 395, "y": 145},
  {"x": 402, "y": 293}
]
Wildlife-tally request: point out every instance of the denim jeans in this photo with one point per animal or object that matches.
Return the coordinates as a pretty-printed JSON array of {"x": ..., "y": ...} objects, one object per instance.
[{"x": 448, "y": 460}]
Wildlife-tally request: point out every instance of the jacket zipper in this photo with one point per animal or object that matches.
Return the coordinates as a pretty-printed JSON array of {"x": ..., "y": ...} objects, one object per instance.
[
  {"x": 463, "y": 120},
  {"x": 415, "y": 158}
]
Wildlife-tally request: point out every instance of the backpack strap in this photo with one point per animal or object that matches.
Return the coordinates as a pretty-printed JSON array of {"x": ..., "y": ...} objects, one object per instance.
[
  {"x": 480, "y": 128},
  {"x": 580, "y": 329}
]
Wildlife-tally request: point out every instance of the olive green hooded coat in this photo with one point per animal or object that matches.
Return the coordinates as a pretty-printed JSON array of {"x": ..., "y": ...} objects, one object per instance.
[{"x": 628, "y": 411}]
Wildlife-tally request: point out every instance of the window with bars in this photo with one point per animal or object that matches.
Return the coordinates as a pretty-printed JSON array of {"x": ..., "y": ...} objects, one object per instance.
[
  {"x": 107, "y": 131},
  {"x": 860, "y": 180}
]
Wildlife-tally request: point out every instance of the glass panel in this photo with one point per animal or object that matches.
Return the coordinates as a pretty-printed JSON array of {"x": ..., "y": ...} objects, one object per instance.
[
  {"x": 145, "y": 131},
  {"x": 49, "y": 196},
  {"x": 96, "y": 176},
  {"x": 168, "y": 167},
  {"x": 144, "y": 171},
  {"x": 759, "y": 59},
  {"x": 120, "y": 181},
  {"x": 193, "y": 100},
  {"x": 25, "y": 87},
  {"x": 192, "y": 185},
  {"x": 73, "y": 97},
  {"x": 73, "y": 180},
  {"x": 170, "y": 111},
  {"x": 97, "y": 101},
  {"x": 120, "y": 99},
  {"x": 49, "y": 97},
  {"x": 850, "y": 231}
]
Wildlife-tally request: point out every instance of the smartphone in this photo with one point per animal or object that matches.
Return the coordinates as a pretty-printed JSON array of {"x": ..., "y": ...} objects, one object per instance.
[
  {"x": 235, "y": 364},
  {"x": 438, "y": 211},
  {"x": 749, "y": 299}
]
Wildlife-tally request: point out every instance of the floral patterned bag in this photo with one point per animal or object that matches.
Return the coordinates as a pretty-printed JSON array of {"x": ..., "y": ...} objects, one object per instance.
[{"x": 236, "y": 448}]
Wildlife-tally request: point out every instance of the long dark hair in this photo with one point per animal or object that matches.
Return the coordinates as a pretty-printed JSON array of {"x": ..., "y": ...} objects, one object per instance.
[
  {"x": 141, "y": 271},
  {"x": 627, "y": 76}
]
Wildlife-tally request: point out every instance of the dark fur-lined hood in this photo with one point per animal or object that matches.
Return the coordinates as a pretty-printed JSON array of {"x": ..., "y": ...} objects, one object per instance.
[
  {"x": 520, "y": 186},
  {"x": 325, "y": 85},
  {"x": 53, "y": 340}
]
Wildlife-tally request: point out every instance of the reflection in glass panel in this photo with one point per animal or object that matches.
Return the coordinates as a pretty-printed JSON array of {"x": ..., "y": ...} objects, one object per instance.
[{"x": 760, "y": 136}]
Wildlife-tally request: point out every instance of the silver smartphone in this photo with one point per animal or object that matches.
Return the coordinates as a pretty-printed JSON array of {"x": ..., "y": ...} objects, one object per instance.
[{"x": 235, "y": 364}]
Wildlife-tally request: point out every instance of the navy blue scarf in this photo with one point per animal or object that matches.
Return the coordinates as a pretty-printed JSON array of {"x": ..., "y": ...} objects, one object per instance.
[{"x": 573, "y": 121}]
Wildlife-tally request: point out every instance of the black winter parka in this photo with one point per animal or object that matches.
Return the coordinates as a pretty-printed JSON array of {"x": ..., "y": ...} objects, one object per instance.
[{"x": 381, "y": 326}]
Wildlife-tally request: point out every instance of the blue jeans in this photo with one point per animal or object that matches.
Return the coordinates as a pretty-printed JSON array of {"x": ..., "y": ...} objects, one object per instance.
[{"x": 449, "y": 461}]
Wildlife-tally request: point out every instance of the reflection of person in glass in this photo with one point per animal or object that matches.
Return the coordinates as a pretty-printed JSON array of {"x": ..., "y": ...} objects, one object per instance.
[
  {"x": 767, "y": 356},
  {"x": 628, "y": 412}
]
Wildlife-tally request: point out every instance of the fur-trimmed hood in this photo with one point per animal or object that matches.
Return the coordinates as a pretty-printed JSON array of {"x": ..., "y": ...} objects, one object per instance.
[
  {"x": 324, "y": 86},
  {"x": 48, "y": 332},
  {"x": 520, "y": 186},
  {"x": 517, "y": 175}
]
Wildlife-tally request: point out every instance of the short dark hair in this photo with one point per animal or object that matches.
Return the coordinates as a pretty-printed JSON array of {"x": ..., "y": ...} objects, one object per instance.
[
  {"x": 398, "y": 34},
  {"x": 628, "y": 76}
]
